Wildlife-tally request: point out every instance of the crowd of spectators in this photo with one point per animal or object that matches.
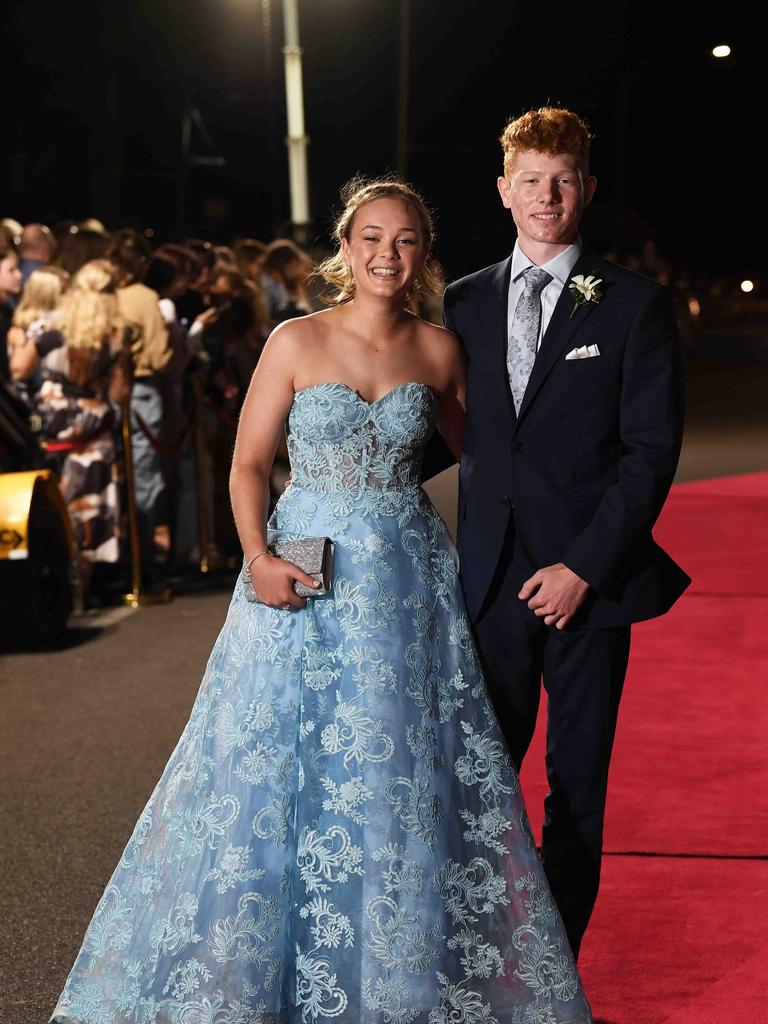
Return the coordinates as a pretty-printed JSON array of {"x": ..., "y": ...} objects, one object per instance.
[{"x": 99, "y": 331}]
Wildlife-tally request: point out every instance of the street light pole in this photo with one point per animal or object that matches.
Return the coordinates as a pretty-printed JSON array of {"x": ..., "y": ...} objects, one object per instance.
[
  {"x": 297, "y": 138},
  {"x": 404, "y": 93},
  {"x": 269, "y": 75}
]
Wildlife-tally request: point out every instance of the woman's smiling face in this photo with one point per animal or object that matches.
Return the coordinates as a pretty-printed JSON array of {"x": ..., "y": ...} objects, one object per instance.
[{"x": 385, "y": 248}]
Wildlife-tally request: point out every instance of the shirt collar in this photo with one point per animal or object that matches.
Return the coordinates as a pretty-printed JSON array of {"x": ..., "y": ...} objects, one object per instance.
[{"x": 559, "y": 266}]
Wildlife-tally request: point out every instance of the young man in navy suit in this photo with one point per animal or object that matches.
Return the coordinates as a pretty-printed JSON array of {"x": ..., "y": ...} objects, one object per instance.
[{"x": 572, "y": 437}]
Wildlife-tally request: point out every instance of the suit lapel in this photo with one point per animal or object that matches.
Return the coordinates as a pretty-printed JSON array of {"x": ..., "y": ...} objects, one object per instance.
[{"x": 560, "y": 330}]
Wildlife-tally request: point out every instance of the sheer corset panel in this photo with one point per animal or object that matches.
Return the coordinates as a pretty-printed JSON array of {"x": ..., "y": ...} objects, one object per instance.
[{"x": 337, "y": 441}]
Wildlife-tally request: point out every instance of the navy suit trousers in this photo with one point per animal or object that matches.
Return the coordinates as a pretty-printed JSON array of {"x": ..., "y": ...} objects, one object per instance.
[{"x": 583, "y": 672}]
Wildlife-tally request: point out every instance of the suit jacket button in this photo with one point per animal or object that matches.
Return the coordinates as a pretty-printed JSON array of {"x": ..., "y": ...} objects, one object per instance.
[
  {"x": 518, "y": 446},
  {"x": 506, "y": 502}
]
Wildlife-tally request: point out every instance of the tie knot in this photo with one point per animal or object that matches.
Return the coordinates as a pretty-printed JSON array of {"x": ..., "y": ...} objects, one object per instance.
[{"x": 535, "y": 279}]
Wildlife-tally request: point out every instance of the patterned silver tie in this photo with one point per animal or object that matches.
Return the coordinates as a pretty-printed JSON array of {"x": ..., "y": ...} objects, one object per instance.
[{"x": 524, "y": 332}]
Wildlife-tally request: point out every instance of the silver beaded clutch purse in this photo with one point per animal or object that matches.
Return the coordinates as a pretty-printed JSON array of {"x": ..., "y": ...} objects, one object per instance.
[{"x": 314, "y": 555}]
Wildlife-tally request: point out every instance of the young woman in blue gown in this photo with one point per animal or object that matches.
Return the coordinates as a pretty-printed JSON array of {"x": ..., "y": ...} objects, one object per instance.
[{"x": 339, "y": 835}]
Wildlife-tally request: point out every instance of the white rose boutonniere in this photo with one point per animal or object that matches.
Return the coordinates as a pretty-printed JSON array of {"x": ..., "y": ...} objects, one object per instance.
[{"x": 585, "y": 289}]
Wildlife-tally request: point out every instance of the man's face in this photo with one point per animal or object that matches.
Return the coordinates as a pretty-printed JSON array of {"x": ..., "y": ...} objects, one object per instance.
[{"x": 546, "y": 196}]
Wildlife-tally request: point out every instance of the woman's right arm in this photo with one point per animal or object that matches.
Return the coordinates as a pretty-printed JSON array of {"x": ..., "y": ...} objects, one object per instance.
[
  {"x": 23, "y": 357},
  {"x": 453, "y": 399},
  {"x": 264, "y": 412}
]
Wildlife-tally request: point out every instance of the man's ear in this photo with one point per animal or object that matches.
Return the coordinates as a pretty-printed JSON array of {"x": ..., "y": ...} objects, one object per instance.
[
  {"x": 590, "y": 186},
  {"x": 504, "y": 191}
]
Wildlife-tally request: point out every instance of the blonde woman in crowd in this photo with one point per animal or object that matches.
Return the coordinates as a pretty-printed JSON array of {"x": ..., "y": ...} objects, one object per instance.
[
  {"x": 80, "y": 380},
  {"x": 34, "y": 331}
]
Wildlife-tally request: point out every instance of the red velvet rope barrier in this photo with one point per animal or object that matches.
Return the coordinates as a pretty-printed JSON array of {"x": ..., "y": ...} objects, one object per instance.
[
  {"x": 71, "y": 446},
  {"x": 221, "y": 416},
  {"x": 168, "y": 450}
]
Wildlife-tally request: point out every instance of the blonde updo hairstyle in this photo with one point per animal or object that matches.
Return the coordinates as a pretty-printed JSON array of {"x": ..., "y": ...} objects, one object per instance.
[
  {"x": 89, "y": 313},
  {"x": 355, "y": 194},
  {"x": 41, "y": 296}
]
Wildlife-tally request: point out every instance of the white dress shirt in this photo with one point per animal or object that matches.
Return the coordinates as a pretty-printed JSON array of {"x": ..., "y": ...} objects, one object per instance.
[{"x": 560, "y": 267}]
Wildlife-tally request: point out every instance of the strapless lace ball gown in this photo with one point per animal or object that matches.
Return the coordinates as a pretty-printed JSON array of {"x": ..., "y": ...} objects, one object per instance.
[{"x": 339, "y": 835}]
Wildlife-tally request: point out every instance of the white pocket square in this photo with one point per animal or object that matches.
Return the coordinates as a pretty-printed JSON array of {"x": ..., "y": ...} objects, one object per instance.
[{"x": 585, "y": 352}]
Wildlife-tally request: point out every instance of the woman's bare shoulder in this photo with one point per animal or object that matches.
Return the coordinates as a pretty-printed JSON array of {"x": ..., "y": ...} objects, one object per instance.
[
  {"x": 303, "y": 329},
  {"x": 437, "y": 341},
  {"x": 299, "y": 342}
]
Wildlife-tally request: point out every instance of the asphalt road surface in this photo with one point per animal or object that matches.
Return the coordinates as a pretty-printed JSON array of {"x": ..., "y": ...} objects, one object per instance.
[{"x": 85, "y": 734}]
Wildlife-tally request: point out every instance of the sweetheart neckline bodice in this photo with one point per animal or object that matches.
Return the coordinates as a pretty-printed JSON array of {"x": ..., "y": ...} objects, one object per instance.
[
  {"x": 356, "y": 393},
  {"x": 338, "y": 440}
]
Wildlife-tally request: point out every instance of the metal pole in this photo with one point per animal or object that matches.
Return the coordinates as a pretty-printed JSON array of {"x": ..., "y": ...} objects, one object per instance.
[
  {"x": 403, "y": 99},
  {"x": 137, "y": 597},
  {"x": 294, "y": 98},
  {"x": 274, "y": 154},
  {"x": 201, "y": 480},
  {"x": 134, "y": 598}
]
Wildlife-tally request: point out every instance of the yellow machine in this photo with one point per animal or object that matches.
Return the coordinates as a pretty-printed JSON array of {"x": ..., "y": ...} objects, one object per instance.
[{"x": 37, "y": 558}]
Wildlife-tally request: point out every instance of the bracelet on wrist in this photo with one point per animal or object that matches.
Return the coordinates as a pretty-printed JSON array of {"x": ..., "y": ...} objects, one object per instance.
[{"x": 250, "y": 561}]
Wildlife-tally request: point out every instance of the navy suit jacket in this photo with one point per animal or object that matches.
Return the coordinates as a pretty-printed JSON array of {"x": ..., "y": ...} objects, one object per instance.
[{"x": 586, "y": 466}]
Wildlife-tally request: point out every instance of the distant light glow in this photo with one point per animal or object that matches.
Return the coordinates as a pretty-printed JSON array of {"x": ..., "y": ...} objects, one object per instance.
[
  {"x": 149, "y": 232},
  {"x": 723, "y": 50},
  {"x": 694, "y": 307},
  {"x": 747, "y": 286}
]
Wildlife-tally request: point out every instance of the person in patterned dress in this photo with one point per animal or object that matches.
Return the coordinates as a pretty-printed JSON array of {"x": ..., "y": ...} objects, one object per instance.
[{"x": 339, "y": 835}]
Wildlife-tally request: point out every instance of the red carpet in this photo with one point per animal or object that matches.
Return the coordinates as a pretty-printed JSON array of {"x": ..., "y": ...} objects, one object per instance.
[
  {"x": 683, "y": 939},
  {"x": 718, "y": 530},
  {"x": 670, "y": 941}
]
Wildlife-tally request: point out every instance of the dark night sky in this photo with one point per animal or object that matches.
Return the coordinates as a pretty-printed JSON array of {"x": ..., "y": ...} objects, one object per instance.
[{"x": 100, "y": 88}]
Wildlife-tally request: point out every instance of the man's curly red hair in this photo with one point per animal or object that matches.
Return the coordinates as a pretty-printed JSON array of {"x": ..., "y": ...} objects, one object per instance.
[{"x": 551, "y": 130}]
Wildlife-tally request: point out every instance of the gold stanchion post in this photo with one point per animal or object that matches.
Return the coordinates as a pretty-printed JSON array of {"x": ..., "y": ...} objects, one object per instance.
[
  {"x": 137, "y": 598},
  {"x": 201, "y": 480}
]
